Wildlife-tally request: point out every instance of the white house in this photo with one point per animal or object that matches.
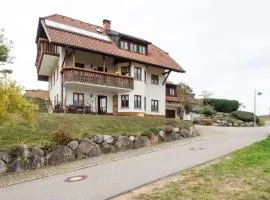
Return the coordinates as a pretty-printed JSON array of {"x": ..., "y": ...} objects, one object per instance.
[{"x": 96, "y": 69}]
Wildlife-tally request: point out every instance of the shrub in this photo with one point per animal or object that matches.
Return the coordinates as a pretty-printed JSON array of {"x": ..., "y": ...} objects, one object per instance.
[
  {"x": 61, "y": 137},
  {"x": 168, "y": 130},
  {"x": 245, "y": 116},
  {"x": 150, "y": 132},
  {"x": 261, "y": 122},
  {"x": 223, "y": 105},
  {"x": 208, "y": 110}
]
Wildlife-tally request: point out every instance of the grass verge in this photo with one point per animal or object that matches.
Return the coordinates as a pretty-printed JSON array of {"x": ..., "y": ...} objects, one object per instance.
[
  {"x": 243, "y": 175},
  {"x": 79, "y": 125}
]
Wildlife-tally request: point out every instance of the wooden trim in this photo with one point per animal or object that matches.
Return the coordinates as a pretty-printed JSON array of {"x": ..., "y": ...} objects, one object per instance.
[
  {"x": 90, "y": 70},
  {"x": 166, "y": 77},
  {"x": 151, "y": 115},
  {"x": 135, "y": 114}
]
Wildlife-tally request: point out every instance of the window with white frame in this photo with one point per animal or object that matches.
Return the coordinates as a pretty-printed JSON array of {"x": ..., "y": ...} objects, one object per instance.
[
  {"x": 154, "y": 105},
  {"x": 137, "y": 101}
]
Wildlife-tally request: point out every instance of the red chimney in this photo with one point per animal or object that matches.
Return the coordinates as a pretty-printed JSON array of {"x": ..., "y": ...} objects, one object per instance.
[{"x": 107, "y": 24}]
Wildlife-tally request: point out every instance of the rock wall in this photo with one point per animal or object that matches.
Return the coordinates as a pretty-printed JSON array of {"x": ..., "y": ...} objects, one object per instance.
[{"x": 22, "y": 158}]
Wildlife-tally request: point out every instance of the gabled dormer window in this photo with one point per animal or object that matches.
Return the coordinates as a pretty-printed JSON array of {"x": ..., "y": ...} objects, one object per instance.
[{"x": 124, "y": 45}]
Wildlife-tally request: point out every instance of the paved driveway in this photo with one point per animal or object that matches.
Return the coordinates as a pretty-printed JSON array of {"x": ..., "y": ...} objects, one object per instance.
[{"x": 111, "y": 179}]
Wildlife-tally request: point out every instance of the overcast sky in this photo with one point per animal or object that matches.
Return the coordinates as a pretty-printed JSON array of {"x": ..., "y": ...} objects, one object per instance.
[{"x": 224, "y": 45}]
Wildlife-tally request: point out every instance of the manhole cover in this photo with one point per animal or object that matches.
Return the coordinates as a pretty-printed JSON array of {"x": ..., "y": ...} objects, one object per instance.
[
  {"x": 75, "y": 178},
  {"x": 196, "y": 148}
]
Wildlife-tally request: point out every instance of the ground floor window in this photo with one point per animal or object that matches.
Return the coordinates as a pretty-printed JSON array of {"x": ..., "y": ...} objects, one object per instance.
[
  {"x": 78, "y": 99},
  {"x": 137, "y": 101},
  {"x": 124, "y": 101},
  {"x": 154, "y": 105},
  {"x": 144, "y": 103}
]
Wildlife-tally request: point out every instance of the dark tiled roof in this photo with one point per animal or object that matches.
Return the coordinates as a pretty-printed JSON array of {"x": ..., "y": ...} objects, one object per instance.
[{"x": 156, "y": 56}]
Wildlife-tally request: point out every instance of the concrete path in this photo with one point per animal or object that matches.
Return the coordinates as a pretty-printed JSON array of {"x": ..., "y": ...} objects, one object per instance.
[{"x": 114, "y": 178}]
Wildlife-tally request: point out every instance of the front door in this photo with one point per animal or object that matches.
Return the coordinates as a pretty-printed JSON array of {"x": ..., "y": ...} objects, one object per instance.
[
  {"x": 102, "y": 104},
  {"x": 115, "y": 105}
]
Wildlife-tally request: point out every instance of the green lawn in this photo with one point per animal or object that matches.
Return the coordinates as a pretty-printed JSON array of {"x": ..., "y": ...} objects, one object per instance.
[
  {"x": 79, "y": 124},
  {"x": 245, "y": 175}
]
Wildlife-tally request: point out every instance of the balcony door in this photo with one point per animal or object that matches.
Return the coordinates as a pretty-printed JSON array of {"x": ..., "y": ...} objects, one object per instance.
[{"x": 102, "y": 104}]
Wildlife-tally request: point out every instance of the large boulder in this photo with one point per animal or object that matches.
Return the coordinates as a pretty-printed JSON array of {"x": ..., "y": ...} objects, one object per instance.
[
  {"x": 36, "y": 150},
  {"x": 165, "y": 137},
  {"x": 193, "y": 132},
  {"x": 36, "y": 161},
  {"x": 73, "y": 145},
  {"x": 123, "y": 143},
  {"x": 177, "y": 136},
  {"x": 88, "y": 148},
  {"x": 6, "y": 157},
  {"x": 97, "y": 139},
  {"x": 141, "y": 142},
  {"x": 184, "y": 132},
  {"x": 107, "y": 148},
  {"x": 20, "y": 165},
  {"x": 60, "y": 155},
  {"x": 154, "y": 140},
  {"x": 108, "y": 139},
  {"x": 3, "y": 166}
]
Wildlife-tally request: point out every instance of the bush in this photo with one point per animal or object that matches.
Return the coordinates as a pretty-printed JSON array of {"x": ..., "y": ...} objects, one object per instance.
[
  {"x": 245, "y": 116},
  {"x": 223, "y": 105},
  {"x": 261, "y": 122},
  {"x": 168, "y": 130},
  {"x": 61, "y": 137},
  {"x": 208, "y": 110},
  {"x": 150, "y": 132}
]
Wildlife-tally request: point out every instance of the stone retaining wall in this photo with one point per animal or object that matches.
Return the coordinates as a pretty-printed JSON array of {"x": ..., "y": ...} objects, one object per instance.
[{"x": 24, "y": 158}]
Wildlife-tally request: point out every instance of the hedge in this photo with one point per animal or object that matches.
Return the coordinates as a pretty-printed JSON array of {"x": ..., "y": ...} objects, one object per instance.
[
  {"x": 223, "y": 105},
  {"x": 245, "y": 116}
]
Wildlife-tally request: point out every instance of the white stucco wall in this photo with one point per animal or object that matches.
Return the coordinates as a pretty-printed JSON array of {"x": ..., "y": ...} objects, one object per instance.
[{"x": 142, "y": 88}]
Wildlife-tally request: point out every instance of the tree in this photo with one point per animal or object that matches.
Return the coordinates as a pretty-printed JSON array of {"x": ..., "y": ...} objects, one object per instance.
[
  {"x": 206, "y": 94},
  {"x": 13, "y": 105},
  {"x": 5, "y": 48},
  {"x": 184, "y": 92}
]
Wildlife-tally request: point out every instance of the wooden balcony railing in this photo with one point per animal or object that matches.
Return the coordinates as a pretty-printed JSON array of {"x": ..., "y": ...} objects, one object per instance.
[
  {"x": 88, "y": 76},
  {"x": 45, "y": 47}
]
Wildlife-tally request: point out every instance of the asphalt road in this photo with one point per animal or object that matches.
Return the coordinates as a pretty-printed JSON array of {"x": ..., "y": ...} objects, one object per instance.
[{"x": 111, "y": 179}]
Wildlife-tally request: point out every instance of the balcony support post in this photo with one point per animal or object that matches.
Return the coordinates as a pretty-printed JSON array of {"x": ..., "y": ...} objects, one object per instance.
[{"x": 104, "y": 63}]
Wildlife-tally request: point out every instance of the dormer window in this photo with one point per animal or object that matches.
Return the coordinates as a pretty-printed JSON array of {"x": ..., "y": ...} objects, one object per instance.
[
  {"x": 124, "y": 45},
  {"x": 133, "y": 47},
  {"x": 142, "y": 49}
]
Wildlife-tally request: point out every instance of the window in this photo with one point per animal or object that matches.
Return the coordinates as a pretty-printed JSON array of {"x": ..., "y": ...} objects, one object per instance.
[
  {"x": 78, "y": 99},
  {"x": 144, "y": 103},
  {"x": 124, "y": 101},
  {"x": 138, "y": 73},
  {"x": 154, "y": 79},
  {"x": 154, "y": 105},
  {"x": 142, "y": 50},
  {"x": 137, "y": 101},
  {"x": 172, "y": 92},
  {"x": 124, "y": 45},
  {"x": 144, "y": 76},
  {"x": 80, "y": 65},
  {"x": 125, "y": 70},
  {"x": 133, "y": 47}
]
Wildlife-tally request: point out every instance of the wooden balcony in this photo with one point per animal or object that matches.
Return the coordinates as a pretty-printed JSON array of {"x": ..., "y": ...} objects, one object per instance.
[
  {"x": 45, "y": 48},
  {"x": 92, "y": 77}
]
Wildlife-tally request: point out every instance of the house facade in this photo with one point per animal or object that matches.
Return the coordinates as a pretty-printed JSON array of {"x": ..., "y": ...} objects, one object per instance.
[
  {"x": 95, "y": 69},
  {"x": 176, "y": 104}
]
